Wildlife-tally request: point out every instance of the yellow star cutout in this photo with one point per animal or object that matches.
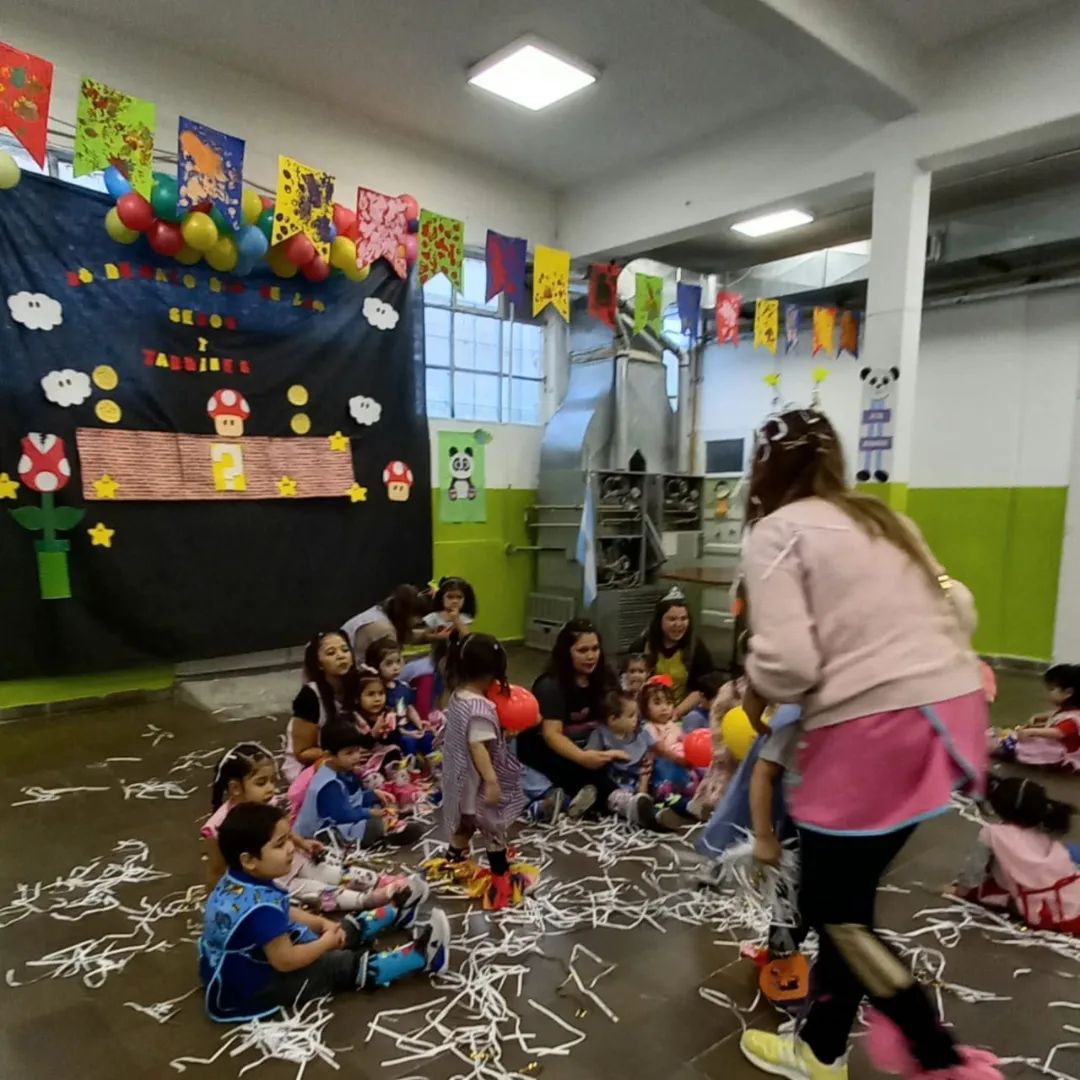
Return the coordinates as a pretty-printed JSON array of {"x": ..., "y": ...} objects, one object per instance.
[
  {"x": 8, "y": 487},
  {"x": 101, "y": 535},
  {"x": 286, "y": 487},
  {"x": 105, "y": 487},
  {"x": 357, "y": 493},
  {"x": 339, "y": 441}
]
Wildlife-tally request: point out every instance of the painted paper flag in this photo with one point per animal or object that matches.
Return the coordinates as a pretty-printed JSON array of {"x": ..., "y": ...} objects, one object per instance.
[
  {"x": 381, "y": 222},
  {"x": 604, "y": 292},
  {"x": 766, "y": 324},
  {"x": 304, "y": 204},
  {"x": 824, "y": 327},
  {"x": 688, "y": 299},
  {"x": 506, "y": 267},
  {"x": 25, "y": 91},
  {"x": 551, "y": 280},
  {"x": 113, "y": 128},
  {"x": 648, "y": 302},
  {"x": 849, "y": 333},
  {"x": 209, "y": 169},
  {"x": 791, "y": 326},
  {"x": 728, "y": 310},
  {"x": 462, "y": 485},
  {"x": 442, "y": 247}
]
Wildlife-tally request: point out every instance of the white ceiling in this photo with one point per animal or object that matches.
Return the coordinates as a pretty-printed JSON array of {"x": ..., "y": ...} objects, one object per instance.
[
  {"x": 672, "y": 71},
  {"x": 935, "y": 23}
]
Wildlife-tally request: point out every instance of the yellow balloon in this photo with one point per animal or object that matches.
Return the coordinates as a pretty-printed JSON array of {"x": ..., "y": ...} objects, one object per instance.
[
  {"x": 250, "y": 206},
  {"x": 223, "y": 255},
  {"x": 343, "y": 253},
  {"x": 280, "y": 264},
  {"x": 737, "y": 732},
  {"x": 199, "y": 231},
  {"x": 10, "y": 173},
  {"x": 353, "y": 273},
  {"x": 188, "y": 255},
  {"x": 117, "y": 230}
]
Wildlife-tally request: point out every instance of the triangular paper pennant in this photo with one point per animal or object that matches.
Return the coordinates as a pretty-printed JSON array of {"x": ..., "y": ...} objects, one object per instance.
[
  {"x": 728, "y": 310},
  {"x": 381, "y": 222},
  {"x": 824, "y": 322},
  {"x": 25, "y": 92},
  {"x": 551, "y": 280},
  {"x": 604, "y": 292},
  {"x": 505, "y": 258},
  {"x": 114, "y": 128},
  {"x": 304, "y": 204},
  {"x": 442, "y": 247},
  {"x": 209, "y": 169},
  {"x": 849, "y": 333},
  {"x": 766, "y": 324},
  {"x": 688, "y": 301},
  {"x": 648, "y": 302}
]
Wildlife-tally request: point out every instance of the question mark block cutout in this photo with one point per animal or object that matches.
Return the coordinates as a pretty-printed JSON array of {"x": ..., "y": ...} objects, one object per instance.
[{"x": 227, "y": 466}]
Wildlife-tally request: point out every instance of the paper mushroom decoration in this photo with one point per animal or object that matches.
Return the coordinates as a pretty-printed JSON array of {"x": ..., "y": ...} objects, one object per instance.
[
  {"x": 398, "y": 478},
  {"x": 228, "y": 410}
]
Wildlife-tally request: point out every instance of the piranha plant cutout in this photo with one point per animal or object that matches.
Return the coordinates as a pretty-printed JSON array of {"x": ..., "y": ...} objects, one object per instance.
[
  {"x": 228, "y": 410},
  {"x": 44, "y": 468}
]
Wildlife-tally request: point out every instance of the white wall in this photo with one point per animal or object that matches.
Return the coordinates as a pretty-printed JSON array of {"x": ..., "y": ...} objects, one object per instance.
[
  {"x": 512, "y": 458},
  {"x": 274, "y": 121}
]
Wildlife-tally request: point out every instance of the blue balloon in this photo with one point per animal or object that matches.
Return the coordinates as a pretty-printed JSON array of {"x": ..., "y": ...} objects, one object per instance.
[
  {"x": 116, "y": 183},
  {"x": 244, "y": 266},
  {"x": 413, "y": 224},
  {"x": 251, "y": 243},
  {"x": 333, "y": 234}
]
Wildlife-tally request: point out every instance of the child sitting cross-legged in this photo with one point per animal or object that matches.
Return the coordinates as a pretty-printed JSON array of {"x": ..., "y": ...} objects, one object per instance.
[{"x": 257, "y": 952}]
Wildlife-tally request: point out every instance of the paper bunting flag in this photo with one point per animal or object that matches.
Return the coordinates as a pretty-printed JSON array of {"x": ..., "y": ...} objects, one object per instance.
[
  {"x": 766, "y": 320},
  {"x": 791, "y": 326},
  {"x": 604, "y": 292},
  {"x": 688, "y": 299},
  {"x": 381, "y": 222},
  {"x": 824, "y": 326},
  {"x": 209, "y": 169},
  {"x": 25, "y": 90},
  {"x": 304, "y": 204},
  {"x": 648, "y": 302},
  {"x": 551, "y": 280},
  {"x": 113, "y": 128},
  {"x": 506, "y": 267},
  {"x": 728, "y": 310},
  {"x": 442, "y": 247},
  {"x": 849, "y": 333}
]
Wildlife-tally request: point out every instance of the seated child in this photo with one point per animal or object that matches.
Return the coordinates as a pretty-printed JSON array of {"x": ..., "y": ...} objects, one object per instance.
[
  {"x": 337, "y": 800},
  {"x": 384, "y": 656},
  {"x": 245, "y": 775},
  {"x": 623, "y": 731},
  {"x": 672, "y": 782},
  {"x": 1050, "y": 738},
  {"x": 714, "y": 783},
  {"x": 635, "y": 670},
  {"x": 709, "y": 686},
  {"x": 258, "y": 953},
  {"x": 1021, "y": 864}
]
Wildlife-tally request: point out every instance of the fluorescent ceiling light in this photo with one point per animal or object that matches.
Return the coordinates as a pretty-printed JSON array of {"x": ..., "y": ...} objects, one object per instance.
[
  {"x": 530, "y": 75},
  {"x": 771, "y": 223}
]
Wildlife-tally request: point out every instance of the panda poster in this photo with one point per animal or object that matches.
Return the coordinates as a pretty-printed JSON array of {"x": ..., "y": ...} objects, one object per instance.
[{"x": 462, "y": 496}]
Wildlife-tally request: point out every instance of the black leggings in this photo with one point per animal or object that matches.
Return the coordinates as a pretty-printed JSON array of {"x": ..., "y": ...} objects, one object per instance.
[
  {"x": 837, "y": 894},
  {"x": 563, "y": 773}
]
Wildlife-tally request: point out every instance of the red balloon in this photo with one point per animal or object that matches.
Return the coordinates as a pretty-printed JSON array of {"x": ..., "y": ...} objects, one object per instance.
[
  {"x": 165, "y": 237},
  {"x": 316, "y": 270},
  {"x": 697, "y": 748},
  {"x": 517, "y": 710},
  {"x": 344, "y": 218},
  {"x": 134, "y": 211},
  {"x": 298, "y": 249},
  {"x": 266, "y": 201},
  {"x": 411, "y": 249},
  {"x": 412, "y": 207}
]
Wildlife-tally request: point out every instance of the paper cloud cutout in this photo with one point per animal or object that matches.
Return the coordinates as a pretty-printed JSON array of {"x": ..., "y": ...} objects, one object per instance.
[
  {"x": 365, "y": 410},
  {"x": 381, "y": 315},
  {"x": 66, "y": 387},
  {"x": 36, "y": 311}
]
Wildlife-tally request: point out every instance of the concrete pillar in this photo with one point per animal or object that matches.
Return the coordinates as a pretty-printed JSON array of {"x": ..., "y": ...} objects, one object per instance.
[
  {"x": 1067, "y": 621},
  {"x": 894, "y": 310}
]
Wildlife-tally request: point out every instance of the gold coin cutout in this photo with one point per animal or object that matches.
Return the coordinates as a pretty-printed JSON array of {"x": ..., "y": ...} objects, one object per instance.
[
  {"x": 300, "y": 423},
  {"x": 297, "y": 395},
  {"x": 107, "y": 411},
  {"x": 105, "y": 377}
]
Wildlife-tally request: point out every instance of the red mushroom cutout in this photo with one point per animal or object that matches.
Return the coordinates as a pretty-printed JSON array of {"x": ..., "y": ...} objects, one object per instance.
[
  {"x": 228, "y": 410},
  {"x": 398, "y": 478}
]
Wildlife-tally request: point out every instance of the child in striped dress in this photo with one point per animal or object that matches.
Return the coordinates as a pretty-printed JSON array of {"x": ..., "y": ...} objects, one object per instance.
[{"x": 481, "y": 778}]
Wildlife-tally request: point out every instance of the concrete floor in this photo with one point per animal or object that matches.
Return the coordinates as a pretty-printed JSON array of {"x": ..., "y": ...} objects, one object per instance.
[{"x": 59, "y": 1026}]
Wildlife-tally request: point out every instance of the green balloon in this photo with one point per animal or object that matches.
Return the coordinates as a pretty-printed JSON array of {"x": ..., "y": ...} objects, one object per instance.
[
  {"x": 163, "y": 198},
  {"x": 224, "y": 226},
  {"x": 266, "y": 222}
]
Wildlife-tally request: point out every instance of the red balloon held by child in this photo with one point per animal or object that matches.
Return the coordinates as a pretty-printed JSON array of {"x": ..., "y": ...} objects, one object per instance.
[
  {"x": 697, "y": 748},
  {"x": 517, "y": 710}
]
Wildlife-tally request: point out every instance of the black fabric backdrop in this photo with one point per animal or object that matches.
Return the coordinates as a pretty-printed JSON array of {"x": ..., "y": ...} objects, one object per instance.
[{"x": 186, "y": 580}]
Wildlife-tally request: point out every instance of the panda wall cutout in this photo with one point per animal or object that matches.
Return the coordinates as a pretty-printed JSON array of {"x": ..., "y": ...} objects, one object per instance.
[
  {"x": 876, "y": 424},
  {"x": 462, "y": 495}
]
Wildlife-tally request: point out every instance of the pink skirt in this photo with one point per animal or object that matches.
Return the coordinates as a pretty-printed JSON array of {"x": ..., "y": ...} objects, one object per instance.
[{"x": 882, "y": 772}]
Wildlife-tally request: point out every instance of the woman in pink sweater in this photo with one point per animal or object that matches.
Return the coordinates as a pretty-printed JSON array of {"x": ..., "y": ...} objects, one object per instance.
[{"x": 852, "y": 618}]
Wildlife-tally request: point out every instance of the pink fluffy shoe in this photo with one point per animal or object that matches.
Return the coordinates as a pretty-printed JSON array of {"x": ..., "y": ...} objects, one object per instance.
[{"x": 888, "y": 1051}]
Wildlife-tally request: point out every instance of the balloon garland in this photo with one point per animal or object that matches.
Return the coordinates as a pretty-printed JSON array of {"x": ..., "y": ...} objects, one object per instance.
[{"x": 204, "y": 233}]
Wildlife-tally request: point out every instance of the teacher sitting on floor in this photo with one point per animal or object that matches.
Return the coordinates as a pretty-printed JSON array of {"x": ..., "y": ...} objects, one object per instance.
[
  {"x": 395, "y": 617},
  {"x": 672, "y": 649},
  {"x": 570, "y": 693}
]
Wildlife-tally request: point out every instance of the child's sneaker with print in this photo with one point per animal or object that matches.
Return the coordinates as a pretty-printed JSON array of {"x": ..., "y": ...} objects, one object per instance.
[
  {"x": 434, "y": 939},
  {"x": 787, "y": 1055},
  {"x": 582, "y": 802},
  {"x": 548, "y": 809},
  {"x": 407, "y": 898}
]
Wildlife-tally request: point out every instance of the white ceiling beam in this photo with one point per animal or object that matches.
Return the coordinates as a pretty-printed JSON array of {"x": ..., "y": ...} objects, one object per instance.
[{"x": 863, "y": 57}]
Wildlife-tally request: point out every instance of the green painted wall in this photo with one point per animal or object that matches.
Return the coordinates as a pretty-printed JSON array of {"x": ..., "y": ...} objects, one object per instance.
[
  {"x": 17, "y": 693},
  {"x": 1005, "y": 545},
  {"x": 478, "y": 553}
]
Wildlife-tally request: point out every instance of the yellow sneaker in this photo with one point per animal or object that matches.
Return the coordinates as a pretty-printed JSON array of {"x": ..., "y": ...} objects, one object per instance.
[{"x": 785, "y": 1055}]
